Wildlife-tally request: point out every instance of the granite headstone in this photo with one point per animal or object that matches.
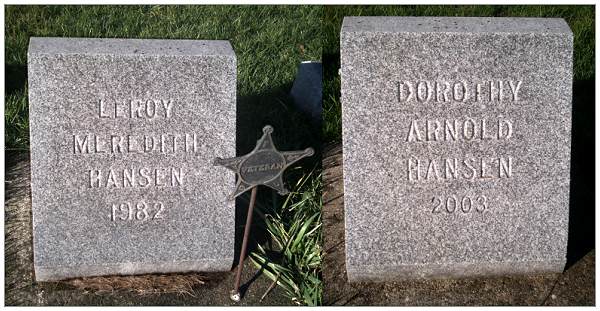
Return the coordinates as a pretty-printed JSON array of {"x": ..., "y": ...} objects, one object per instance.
[
  {"x": 307, "y": 91},
  {"x": 123, "y": 133},
  {"x": 456, "y": 141}
]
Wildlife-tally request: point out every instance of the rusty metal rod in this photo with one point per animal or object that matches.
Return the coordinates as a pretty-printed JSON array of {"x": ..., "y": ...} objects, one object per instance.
[{"x": 235, "y": 293}]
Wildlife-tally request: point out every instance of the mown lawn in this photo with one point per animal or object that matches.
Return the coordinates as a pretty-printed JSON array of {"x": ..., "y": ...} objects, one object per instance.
[
  {"x": 269, "y": 41},
  {"x": 579, "y": 18}
]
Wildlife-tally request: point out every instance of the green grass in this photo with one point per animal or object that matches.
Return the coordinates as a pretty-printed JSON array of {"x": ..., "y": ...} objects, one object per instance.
[
  {"x": 296, "y": 231},
  {"x": 579, "y": 18},
  {"x": 269, "y": 41}
]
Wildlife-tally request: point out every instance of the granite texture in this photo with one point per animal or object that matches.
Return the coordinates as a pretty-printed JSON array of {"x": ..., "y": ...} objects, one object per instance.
[
  {"x": 307, "y": 90},
  {"x": 456, "y": 146},
  {"x": 123, "y": 133},
  {"x": 575, "y": 286}
]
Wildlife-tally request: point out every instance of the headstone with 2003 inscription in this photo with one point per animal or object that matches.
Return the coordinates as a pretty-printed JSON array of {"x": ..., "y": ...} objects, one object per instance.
[
  {"x": 456, "y": 141},
  {"x": 123, "y": 135}
]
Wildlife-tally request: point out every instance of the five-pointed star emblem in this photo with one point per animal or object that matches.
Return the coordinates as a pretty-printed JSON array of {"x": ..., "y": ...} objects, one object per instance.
[{"x": 263, "y": 166}]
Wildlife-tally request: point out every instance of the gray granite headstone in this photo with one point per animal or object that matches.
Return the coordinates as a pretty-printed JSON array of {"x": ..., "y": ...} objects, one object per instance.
[
  {"x": 123, "y": 135},
  {"x": 456, "y": 141},
  {"x": 307, "y": 90}
]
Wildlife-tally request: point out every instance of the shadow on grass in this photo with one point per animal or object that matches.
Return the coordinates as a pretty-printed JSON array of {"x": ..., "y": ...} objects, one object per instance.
[
  {"x": 16, "y": 79},
  {"x": 292, "y": 131},
  {"x": 15, "y": 108},
  {"x": 581, "y": 198},
  {"x": 332, "y": 111}
]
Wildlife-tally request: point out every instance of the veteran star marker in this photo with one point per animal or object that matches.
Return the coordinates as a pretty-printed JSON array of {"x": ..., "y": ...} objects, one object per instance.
[{"x": 262, "y": 166}]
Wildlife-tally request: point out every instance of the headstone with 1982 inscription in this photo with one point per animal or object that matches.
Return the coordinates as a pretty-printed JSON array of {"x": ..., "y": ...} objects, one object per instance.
[
  {"x": 456, "y": 141},
  {"x": 123, "y": 135}
]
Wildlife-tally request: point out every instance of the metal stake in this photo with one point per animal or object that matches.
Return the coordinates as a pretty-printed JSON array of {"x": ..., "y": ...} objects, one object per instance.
[
  {"x": 235, "y": 293},
  {"x": 272, "y": 162}
]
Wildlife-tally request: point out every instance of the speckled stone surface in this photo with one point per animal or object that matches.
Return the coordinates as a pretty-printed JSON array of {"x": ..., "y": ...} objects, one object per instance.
[
  {"x": 456, "y": 142},
  {"x": 123, "y": 136}
]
